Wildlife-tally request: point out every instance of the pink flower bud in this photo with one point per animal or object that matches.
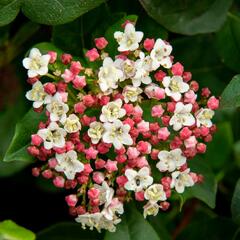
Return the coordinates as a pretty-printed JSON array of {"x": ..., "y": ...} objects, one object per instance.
[
  {"x": 53, "y": 56},
  {"x": 132, "y": 153},
  {"x": 176, "y": 143},
  {"x": 120, "y": 151},
  {"x": 166, "y": 182},
  {"x": 148, "y": 44},
  {"x": 185, "y": 133},
  {"x": 201, "y": 148},
  {"x": 79, "y": 82},
  {"x": 82, "y": 179},
  {"x": 121, "y": 180},
  {"x": 71, "y": 200},
  {"x": 61, "y": 86},
  {"x": 157, "y": 111},
  {"x": 144, "y": 147},
  {"x": 79, "y": 108},
  {"x": 213, "y": 103},
  {"x": 100, "y": 163},
  {"x": 47, "y": 174},
  {"x": 141, "y": 162},
  {"x": 87, "y": 169},
  {"x": 93, "y": 193},
  {"x": 159, "y": 75},
  {"x": 103, "y": 148},
  {"x": 104, "y": 100},
  {"x": 194, "y": 86},
  {"x": 66, "y": 58},
  {"x": 154, "y": 154},
  {"x": 32, "y": 80},
  {"x": 204, "y": 131},
  {"x": 190, "y": 97},
  {"x": 139, "y": 196},
  {"x": 75, "y": 67},
  {"x": 36, "y": 140},
  {"x": 101, "y": 42},
  {"x": 190, "y": 142},
  {"x": 164, "y": 205},
  {"x": 32, "y": 150},
  {"x": 81, "y": 210},
  {"x": 143, "y": 126},
  {"x": 163, "y": 134},
  {"x": 50, "y": 88},
  {"x": 129, "y": 108},
  {"x": 91, "y": 153},
  {"x": 208, "y": 138},
  {"x": 205, "y": 92},
  {"x": 111, "y": 166},
  {"x": 36, "y": 171},
  {"x": 98, "y": 177},
  {"x": 92, "y": 54},
  {"x": 165, "y": 120},
  {"x": 59, "y": 182},
  {"x": 52, "y": 162},
  {"x": 187, "y": 76},
  {"x": 88, "y": 100},
  {"x": 177, "y": 69},
  {"x": 121, "y": 158},
  {"x": 68, "y": 76}
]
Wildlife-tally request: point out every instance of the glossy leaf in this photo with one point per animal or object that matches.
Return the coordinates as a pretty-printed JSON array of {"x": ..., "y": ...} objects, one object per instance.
[
  {"x": 205, "y": 191},
  {"x": 188, "y": 17},
  {"x": 17, "y": 150},
  {"x": 67, "y": 231},
  {"x": 230, "y": 52},
  {"x": 46, "y": 12},
  {"x": 11, "y": 231},
  {"x": 133, "y": 227},
  {"x": 231, "y": 95},
  {"x": 235, "y": 206}
]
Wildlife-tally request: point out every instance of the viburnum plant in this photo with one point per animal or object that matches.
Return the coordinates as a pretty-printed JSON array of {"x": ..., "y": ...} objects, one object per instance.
[{"x": 115, "y": 126}]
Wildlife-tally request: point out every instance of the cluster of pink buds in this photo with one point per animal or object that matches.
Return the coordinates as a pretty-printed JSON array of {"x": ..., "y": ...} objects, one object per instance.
[{"x": 110, "y": 127}]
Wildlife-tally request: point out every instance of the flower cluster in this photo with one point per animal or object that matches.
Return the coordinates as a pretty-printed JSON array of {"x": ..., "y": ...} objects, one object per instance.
[{"x": 112, "y": 124}]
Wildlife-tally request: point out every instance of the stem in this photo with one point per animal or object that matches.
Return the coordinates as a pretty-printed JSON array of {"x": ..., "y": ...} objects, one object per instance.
[{"x": 51, "y": 76}]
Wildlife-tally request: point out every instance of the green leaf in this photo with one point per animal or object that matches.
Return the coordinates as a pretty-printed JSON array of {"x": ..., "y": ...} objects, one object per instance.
[
  {"x": 67, "y": 231},
  {"x": 132, "y": 227},
  {"x": 231, "y": 95},
  {"x": 236, "y": 149},
  {"x": 8, "y": 11},
  {"x": 17, "y": 150},
  {"x": 46, "y": 12},
  {"x": 230, "y": 52},
  {"x": 198, "y": 55},
  {"x": 190, "y": 16},
  {"x": 205, "y": 191},
  {"x": 109, "y": 35},
  {"x": 44, "y": 47},
  {"x": 215, "y": 229},
  {"x": 235, "y": 206},
  {"x": 11, "y": 231},
  {"x": 222, "y": 139}
]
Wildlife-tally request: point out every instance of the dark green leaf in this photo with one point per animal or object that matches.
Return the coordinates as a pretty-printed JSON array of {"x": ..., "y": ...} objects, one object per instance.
[
  {"x": 230, "y": 52},
  {"x": 67, "y": 231},
  {"x": 214, "y": 229},
  {"x": 235, "y": 207},
  {"x": 231, "y": 95},
  {"x": 188, "y": 17},
  {"x": 44, "y": 47},
  {"x": 133, "y": 227},
  {"x": 8, "y": 11},
  {"x": 11, "y": 231},
  {"x": 17, "y": 150},
  {"x": 222, "y": 139},
  {"x": 205, "y": 191}
]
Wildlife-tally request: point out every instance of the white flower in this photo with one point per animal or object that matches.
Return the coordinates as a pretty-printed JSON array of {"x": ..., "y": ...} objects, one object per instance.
[
  {"x": 180, "y": 180},
  {"x": 182, "y": 116},
  {"x": 138, "y": 181},
  {"x": 57, "y": 109},
  {"x": 69, "y": 164},
  {"x": 90, "y": 220},
  {"x": 150, "y": 209},
  {"x": 72, "y": 124},
  {"x": 143, "y": 67},
  {"x": 117, "y": 133},
  {"x": 174, "y": 86},
  {"x": 131, "y": 93},
  {"x": 160, "y": 54},
  {"x": 114, "y": 207},
  {"x": 204, "y": 116},
  {"x": 127, "y": 66},
  {"x": 95, "y": 131},
  {"x": 155, "y": 193},
  {"x": 109, "y": 75},
  {"x": 112, "y": 111},
  {"x": 170, "y": 160},
  {"x": 129, "y": 40},
  {"x": 53, "y": 136},
  {"x": 36, "y": 63},
  {"x": 106, "y": 193},
  {"x": 38, "y": 95}
]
